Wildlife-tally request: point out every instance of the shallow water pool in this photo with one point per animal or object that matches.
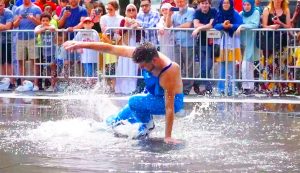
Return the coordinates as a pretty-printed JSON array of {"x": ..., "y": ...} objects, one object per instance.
[{"x": 61, "y": 135}]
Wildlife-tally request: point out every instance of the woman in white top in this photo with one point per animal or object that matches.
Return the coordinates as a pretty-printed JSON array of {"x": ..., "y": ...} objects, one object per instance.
[
  {"x": 165, "y": 38},
  {"x": 125, "y": 66}
]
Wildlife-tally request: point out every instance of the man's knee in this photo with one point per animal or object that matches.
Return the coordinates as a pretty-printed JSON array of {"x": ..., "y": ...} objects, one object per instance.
[{"x": 134, "y": 102}]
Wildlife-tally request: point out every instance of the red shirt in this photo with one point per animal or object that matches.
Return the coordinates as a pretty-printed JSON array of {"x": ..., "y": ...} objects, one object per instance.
[{"x": 238, "y": 5}]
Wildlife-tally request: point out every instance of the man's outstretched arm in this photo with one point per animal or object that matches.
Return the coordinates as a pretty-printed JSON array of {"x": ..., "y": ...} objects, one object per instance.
[{"x": 124, "y": 51}]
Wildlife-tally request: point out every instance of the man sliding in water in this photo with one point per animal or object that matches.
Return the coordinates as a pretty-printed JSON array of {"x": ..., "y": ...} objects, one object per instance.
[{"x": 163, "y": 86}]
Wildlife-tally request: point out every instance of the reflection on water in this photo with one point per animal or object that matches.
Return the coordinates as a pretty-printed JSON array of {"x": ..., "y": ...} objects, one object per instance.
[{"x": 69, "y": 136}]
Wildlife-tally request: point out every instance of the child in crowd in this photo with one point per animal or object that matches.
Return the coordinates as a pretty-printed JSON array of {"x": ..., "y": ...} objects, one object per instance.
[
  {"x": 60, "y": 64},
  {"x": 88, "y": 57},
  {"x": 297, "y": 59},
  {"x": 45, "y": 32}
]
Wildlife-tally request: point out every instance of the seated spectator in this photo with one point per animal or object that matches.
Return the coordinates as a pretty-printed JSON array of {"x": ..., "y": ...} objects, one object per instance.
[
  {"x": 203, "y": 20},
  {"x": 228, "y": 20},
  {"x": 251, "y": 18}
]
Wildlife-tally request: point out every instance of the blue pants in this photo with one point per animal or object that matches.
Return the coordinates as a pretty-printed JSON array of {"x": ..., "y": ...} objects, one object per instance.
[
  {"x": 206, "y": 63},
  {"x": 140, "y": 108},
  {"x": 89, "y": 69},
  {"x": 228, "y": 76}
]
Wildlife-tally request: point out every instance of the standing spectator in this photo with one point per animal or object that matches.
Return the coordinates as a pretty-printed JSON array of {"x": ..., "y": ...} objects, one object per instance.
[
  {"x": 61, "y": 4},
  {"x": 96, "y": 14},
  {"x": 228, "y": 20},
  {"x": 89, "y": 58},
  {"x": 203, "y": 20},
  {"x": 295, "y": 19},
  {"x": 165, "y": 38},
  {"x": 251, "y": 18},
  {"x": 27, "y": 18},
  {"x": 70, "y": 17},
  {"x": 276, "y": 15},
  {"x": 259, "y": 7},
  {"x": 126, "y": 67},
  {"x": 46, "y": 33},
  {"x": 184, "y": 42},
  {"x": 111, "y": 19},
  {"x": 6, "y": 20},
  {"x": 147, "y": 18}
]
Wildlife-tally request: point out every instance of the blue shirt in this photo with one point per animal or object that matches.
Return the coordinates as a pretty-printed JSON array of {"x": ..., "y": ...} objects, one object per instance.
[
  {"x": 26, "y": 24},
  {"x": 74, "y": 18},
  {"x": 5, "y": 17},
  {"x": 204, "y": 18},
  {"x": 183, "y": 38}
]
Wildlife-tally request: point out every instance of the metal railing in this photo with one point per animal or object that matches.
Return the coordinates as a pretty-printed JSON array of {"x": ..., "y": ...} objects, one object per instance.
[{"x": 212, "y": 56}]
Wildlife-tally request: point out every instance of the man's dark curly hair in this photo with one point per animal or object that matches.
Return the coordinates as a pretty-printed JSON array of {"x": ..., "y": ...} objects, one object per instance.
[{"x": 144, "y": 53}]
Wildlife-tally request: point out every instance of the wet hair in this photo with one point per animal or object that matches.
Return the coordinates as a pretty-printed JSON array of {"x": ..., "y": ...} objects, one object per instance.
[
  {"x": 114, "y": 3},
  {"x": 45, "y": 15},
  {"x": 144, "y": 53}
]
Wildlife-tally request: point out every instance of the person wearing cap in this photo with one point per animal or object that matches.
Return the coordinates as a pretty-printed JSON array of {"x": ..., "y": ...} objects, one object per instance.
[
  {"x": 165, "y": 37},
  {"x": 88, "y": 57}
]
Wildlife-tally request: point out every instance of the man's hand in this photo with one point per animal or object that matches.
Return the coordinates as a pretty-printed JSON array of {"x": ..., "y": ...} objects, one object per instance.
[
  {"x": 170, "y": 140},
  {"x": 195, "y": 32},
  {"x": 72, "y": 45}
]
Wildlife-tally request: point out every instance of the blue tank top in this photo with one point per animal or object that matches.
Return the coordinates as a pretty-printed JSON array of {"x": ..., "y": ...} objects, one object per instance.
[{"x": 152, "y": 82}]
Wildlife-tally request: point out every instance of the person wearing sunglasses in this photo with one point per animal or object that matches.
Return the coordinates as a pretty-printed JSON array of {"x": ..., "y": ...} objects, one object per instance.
[
  {"x": 125, "y": 66},
  {"x": 148, "y": 18}
]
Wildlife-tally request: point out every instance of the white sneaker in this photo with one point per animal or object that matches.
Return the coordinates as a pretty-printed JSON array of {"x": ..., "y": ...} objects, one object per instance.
[
  {"x": 27, "y": 86},
  {"x": 51, "y": 89},
  {"x": 35, "y": 88},
  {"x": 4, "y": 84}
]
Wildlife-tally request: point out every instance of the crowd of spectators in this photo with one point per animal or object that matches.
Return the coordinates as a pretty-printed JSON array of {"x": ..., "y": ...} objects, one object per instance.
[{"x": 235, "y": 53}]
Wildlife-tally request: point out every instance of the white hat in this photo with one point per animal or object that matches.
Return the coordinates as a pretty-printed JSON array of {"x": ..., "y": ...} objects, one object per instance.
[{"x": 166, "y": 6}]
